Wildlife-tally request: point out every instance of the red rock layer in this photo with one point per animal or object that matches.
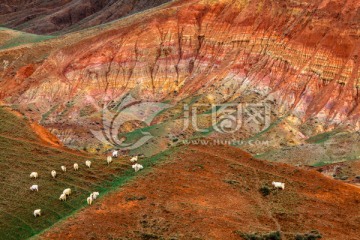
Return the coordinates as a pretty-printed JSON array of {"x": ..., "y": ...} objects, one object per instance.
[{"x": 304, "y": 52}]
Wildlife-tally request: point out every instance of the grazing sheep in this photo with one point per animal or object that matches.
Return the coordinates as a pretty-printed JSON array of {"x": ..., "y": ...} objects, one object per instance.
[
  {"x": 109, "y": 160},
  {"x": 37, "y": 212},
  {"x": 76, "y": 166},
  {"x": 134, "y": 159},
  {"x": 278, "y": 185},
  {"x": 94, "y": 195},
  {"x": 88, "y": 163},
  {"x": 63, "y": 168},
  {"x": 115, "y": 153},
  {"x": 89, "y": 200},
  {"x": 34, "y": 175},
  {"x": 53, "y": 173},
  {"x": 67, "y": 191},
  {"x": 62, "y": 197},
  {"x": 137, "y": 167},
  {"x": 34, "y": 187}
]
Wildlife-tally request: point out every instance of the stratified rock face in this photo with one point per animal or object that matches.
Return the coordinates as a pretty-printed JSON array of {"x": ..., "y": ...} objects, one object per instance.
[
  {"x": 304, "y": 53},
  {"x": 47, "y": 17}
]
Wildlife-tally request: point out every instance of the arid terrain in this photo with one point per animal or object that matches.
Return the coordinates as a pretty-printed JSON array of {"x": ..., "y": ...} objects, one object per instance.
[
  {"x": 80, "y": 78},
  {"x": 213, "y": 193}
]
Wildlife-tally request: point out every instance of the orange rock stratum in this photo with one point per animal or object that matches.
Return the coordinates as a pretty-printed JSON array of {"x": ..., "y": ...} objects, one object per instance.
[{"x": 305, "y": 52}]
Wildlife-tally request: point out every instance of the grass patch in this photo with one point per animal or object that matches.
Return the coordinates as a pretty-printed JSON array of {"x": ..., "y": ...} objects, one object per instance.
[
  {"x": 260, "y": 236},
  {"x": 321, "y": 138},
  {"x": 46, "y": 115},
  {"x": 313, "y": 235},
  {"x": 322, "y": 163},
  {"x": 22, "y": 38},
  {"x": 14, "y": 127}
]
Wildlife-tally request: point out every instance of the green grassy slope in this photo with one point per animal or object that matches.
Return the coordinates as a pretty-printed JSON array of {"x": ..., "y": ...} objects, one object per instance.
[
  {"x": 19, "y": 38},
  {"x": 21, "y": 152}
]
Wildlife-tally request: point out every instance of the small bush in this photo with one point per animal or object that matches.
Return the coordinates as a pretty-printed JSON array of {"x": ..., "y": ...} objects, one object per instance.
[
  {"x": 265, "y": 190},
  {"x": 344, "y": 178},
  {"x": 258, "y": 236},
  {"x": 150, "y": 236},
  {"x": 313, "y": 235},
  {"x": 135, "y": 198},
  {"x": 231, "y": 182}
]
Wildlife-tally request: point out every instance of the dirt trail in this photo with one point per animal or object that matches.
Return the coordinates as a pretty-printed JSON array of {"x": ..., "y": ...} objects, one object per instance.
[
  {"x": 211, "y": 193},
  {"x": 45, "y": 135}
]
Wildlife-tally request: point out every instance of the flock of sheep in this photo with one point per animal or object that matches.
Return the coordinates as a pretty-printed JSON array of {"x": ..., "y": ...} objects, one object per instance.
[
  {"x": 67, "y": 191},
  {"x": 94, "y": 195}
]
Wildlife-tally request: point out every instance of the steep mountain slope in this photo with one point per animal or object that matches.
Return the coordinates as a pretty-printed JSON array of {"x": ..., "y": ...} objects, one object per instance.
[
  {"x": 213, "y": 193},
  {"x": 49, "y": 17},
  {"x": 300, "y": 57}
]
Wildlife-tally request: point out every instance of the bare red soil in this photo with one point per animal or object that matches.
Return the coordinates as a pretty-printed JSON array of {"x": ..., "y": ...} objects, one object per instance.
[
  {"x": 212, "y": 192},
  {"x": 45, "y": 135}
]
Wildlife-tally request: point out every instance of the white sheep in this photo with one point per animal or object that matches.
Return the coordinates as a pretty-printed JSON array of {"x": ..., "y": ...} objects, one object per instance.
[
  {"x": 115, "y": 153},
  {"x": 89, "y": 200},
  {"x": 63, "y": 168},
  {"x": 67, "y": 191},
  {"x": 53, "y": 173},
  {"x": 34, "y": 187},
  {"x": 88, "y": 163},
  {"x": 37, "y": 212},
  {"x": 134, "y": 159},
  {"x": 76, "y": 166},
  {"x": 278, "y": 185},
  {"x": 137, "y": 167},
  {"x": 94, "y": 195},
  {"x": 62, "y": 197},
  {"x": 109, "y": 160},
  {"x": 34, "y": 175}
]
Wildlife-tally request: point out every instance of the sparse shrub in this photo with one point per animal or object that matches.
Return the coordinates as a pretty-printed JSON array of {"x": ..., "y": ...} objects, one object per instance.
[
  {"x": 313, "y": 235},
  {"x": 135, "y": 198},
  {"x": 150, "y": 236},
  {"x": 265, "y": 190},
  {"x": 200, "y": 166},
  {"x": 259, "y": 236},
  {"x": 231, "y": 182}
]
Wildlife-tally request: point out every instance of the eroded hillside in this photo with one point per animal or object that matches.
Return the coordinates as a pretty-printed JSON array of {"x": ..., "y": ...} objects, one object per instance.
[{"x": 301, "y": 57}]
